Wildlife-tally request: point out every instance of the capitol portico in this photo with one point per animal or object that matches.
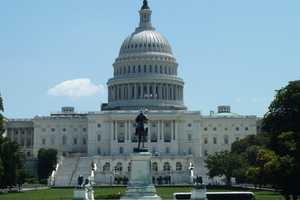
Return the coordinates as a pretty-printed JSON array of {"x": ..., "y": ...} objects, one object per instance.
[{"x": 144, "y": 77}]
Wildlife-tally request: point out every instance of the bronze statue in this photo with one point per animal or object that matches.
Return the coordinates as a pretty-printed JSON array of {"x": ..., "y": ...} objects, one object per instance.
[
  {"x": 145, "y": 5},
  {"x": 141, "y": 132}
]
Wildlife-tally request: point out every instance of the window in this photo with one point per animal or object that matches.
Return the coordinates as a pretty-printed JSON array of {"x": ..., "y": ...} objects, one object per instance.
[
  {"x": 215, "y": 129},
  {"x": 226, "y": 140},
  {"x": 84, "y": 129},
  {"x": 167, "y": 166},
  {"x": 99, "y": 125},
  {"x": 246, "y": 128},
  {"x": 153, "y": 137},
  {"x": 167, "y": 150},
  {"x": 84, "y": 140},
  {"x": 64, "y": 130},
  {"x": 226, "y": 129},
  {"x": 190, "y": 151},
  {"x": 215, "y": 140},
  {"x": 205, "y": 153},
  {"x": 99, "y": 151},
  {"x": 145, "y": 68},
  {"x": 237, "y": 139},
  {"x": 98, "y": 137},
  {"x": 121, "y": 137},
  {"x": 53, "y": 129},
  {"x": 190, "y": 137},
  {"x": 119, "y": 167},
  {"x": 205, "y": 129},
  {"x": 154, "y": 167},
  {"x": 205, "y": 140},
  {"x": 189, "y": 125},
  {"x": 44, "y": 141},
  {"x": 121, "y": 150},
  {"x": 52, "y": 141},
  {"x": 64, "y": 140},
  {"x": 106, "y": 167},
  {"x": 237, "y": 128},
  {"x": 178, "y": 166},
  {"x": 75, "y": 141}
]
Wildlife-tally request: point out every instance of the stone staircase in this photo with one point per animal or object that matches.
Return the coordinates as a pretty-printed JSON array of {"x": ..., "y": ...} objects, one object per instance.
[
  {"x": 65, "y": 171},
  {"x": 83, "y": 168},
  {"x": 70, "y": 169}
]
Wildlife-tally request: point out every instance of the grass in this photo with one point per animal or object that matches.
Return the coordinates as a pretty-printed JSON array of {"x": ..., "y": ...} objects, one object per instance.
[{"x": 112, "y": 193}]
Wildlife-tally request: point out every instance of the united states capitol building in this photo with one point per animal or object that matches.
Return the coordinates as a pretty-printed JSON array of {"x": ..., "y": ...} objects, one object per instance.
[{"x": 144, "y": 77}]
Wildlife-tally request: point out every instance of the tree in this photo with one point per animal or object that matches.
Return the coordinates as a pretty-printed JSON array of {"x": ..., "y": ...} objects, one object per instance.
[
  {"x": 11, "y": 157},
  {"x": 224, "y": 164},
  {"x": 282, "y": 123},
  {"x": 47, "y": 160},
  {"x": 1, "y": 117}
]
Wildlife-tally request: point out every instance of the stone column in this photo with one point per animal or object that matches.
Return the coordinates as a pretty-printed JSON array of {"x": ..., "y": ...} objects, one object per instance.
[
  {"x": 126, "y": 131},
  {"x": 129, "y": 92},
  {"x": 148, "y": 91},
  {"x": 142, "y": 91},
  {"x": 160, "y": 91},
  {"x": 135, "y": 91}
]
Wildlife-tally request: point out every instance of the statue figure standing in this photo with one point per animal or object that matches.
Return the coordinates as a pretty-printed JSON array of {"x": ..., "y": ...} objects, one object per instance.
[{"x": 141, "y": 131}]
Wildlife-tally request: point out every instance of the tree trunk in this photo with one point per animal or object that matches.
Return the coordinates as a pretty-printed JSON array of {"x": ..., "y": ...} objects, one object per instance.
[{"x": 228, "y": 181}]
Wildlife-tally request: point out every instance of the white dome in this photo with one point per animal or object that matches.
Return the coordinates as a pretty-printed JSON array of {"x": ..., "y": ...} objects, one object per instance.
[{"x": 145, "y": 41}]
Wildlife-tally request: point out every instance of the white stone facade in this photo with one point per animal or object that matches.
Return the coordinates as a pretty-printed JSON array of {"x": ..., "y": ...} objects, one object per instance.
[{"x": 145, "y": 77}]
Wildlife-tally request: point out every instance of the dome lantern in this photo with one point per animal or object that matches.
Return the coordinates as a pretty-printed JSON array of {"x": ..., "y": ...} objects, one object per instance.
[{"x": 145, "y": 17}]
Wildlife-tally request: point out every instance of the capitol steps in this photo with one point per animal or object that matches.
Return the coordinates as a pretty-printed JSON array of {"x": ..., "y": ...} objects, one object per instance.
[
  {"x": 83, "y": 168},
  {"x": 65, "y": 171}
]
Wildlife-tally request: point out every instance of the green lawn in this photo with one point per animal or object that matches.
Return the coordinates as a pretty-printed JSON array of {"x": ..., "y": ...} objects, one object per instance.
[{"x": 111, "y": 193}]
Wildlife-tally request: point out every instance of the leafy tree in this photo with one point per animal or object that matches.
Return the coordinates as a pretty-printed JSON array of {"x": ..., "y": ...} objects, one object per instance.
[
  {"x": 282, "y": 122},
  {"x": 47, "y": 160},
  {"x": 1, "y": 118},
  {"x": 11, "y": 158},
  {"x": 284, "y": 111},
  {"x": 224, "y": 164},
  {"x": 1, "y": 171},
  {"x": 12, "y": 162}
]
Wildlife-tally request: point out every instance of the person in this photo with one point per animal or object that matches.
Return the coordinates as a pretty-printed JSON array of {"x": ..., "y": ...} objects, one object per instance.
[{"x": 80, "y": 181}]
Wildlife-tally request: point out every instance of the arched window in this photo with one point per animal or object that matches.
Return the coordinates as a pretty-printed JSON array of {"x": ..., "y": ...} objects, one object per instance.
[
  {"x": 106, "y": 167},
  {"x": 129, "y": 167},
  {"x": 154, "y": 167},
  {"x": 167, "y": 166},
  {"x": 119, "y": 167},
  {"x": 64, "y": 140},
  {"x": 178, "y": 166}
]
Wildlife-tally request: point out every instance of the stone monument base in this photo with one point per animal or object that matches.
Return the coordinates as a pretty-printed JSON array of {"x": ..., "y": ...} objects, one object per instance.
[
  {"x": 140, "y": 184},
  {"x": 83, "y": 194},
  {"x": 199, "y": 192}
]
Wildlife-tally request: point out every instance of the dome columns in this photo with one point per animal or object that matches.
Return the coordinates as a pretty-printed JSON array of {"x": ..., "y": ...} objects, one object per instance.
[{"x": 147, "y": 91}]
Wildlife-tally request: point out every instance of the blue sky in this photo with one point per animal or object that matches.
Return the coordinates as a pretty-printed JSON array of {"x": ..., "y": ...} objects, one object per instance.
[{"x": 230, "y": 52}]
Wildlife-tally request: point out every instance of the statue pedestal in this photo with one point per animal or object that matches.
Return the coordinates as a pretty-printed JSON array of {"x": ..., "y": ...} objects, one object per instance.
[
  {"x": 199, "y": 192},
  {"x": 140, "y": 183},
  {"x": 83, "y": 194}
]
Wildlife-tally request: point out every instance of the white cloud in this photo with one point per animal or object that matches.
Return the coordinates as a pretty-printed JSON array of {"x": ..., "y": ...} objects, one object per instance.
[{"x": 77, "y": 88}]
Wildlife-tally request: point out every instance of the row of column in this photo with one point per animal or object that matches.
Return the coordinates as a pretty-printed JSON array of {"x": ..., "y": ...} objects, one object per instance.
[
  {"x": 22, "y": 136},
  {"x": 160, "y": 130},
  {"x": 145, "y": 91}
]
